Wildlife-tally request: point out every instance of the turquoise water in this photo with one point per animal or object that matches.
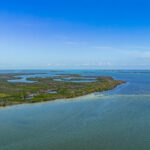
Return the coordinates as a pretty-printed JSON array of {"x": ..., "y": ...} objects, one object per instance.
[{"x": 118, "y": 119}]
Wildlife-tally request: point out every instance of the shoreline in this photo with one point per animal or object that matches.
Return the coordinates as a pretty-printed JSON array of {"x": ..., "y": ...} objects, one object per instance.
[{"x": 13, "y": 103}]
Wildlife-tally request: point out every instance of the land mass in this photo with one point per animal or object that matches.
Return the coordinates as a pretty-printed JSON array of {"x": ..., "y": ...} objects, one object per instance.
[{"x": 51, "y": 88}]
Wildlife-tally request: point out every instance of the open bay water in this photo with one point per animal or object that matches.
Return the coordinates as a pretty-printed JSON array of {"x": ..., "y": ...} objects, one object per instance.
[{"x": 118, "y": 119}]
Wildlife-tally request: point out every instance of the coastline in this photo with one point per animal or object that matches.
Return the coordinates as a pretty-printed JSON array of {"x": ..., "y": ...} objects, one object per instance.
[{"x": 14, "y": 103}]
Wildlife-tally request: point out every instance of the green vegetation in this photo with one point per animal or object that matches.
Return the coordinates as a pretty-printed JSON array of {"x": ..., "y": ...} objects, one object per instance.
[{"x": 46, "y": 88}]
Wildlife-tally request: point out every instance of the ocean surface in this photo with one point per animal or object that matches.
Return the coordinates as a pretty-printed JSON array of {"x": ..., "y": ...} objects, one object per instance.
[{"x": 118, "y": 119}]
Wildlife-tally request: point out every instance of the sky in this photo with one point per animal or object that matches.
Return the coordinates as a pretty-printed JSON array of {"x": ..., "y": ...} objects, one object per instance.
[{"x": 74, "y": 34}]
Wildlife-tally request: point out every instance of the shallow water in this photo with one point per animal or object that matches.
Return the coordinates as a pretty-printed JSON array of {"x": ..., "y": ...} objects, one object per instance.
[{"x": 118, "y": 119}]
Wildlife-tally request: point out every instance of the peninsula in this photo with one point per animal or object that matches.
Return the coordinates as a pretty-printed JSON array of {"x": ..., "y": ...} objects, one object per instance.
[{"x": 51, "y": 88}]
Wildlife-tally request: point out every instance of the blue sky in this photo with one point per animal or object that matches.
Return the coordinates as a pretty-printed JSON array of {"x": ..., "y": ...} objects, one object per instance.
[{"x": 74, "y": 34}]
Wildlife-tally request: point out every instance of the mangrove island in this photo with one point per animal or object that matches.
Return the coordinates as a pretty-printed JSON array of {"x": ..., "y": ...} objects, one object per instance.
[{"x": 51, "y": 88}]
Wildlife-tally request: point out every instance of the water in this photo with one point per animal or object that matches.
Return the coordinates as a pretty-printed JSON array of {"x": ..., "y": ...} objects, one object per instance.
[
  {"x": 24, "y": 78},
  {"x": 118, "y": 119}
]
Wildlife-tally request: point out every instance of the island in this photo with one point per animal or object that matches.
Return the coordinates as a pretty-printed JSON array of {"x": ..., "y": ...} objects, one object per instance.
[{"x": 43, "y": 89}]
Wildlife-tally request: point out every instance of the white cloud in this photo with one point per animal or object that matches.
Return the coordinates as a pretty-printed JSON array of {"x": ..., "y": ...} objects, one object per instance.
[
  {"x": 142, "y": 48},
  {"x": 60, "y": 64},
  {"x": 71, "y": 43},
  {"x": 138, "y": 54},
  {"x": 145, "y": 55},
  {"x": 102, "y": 47}
]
